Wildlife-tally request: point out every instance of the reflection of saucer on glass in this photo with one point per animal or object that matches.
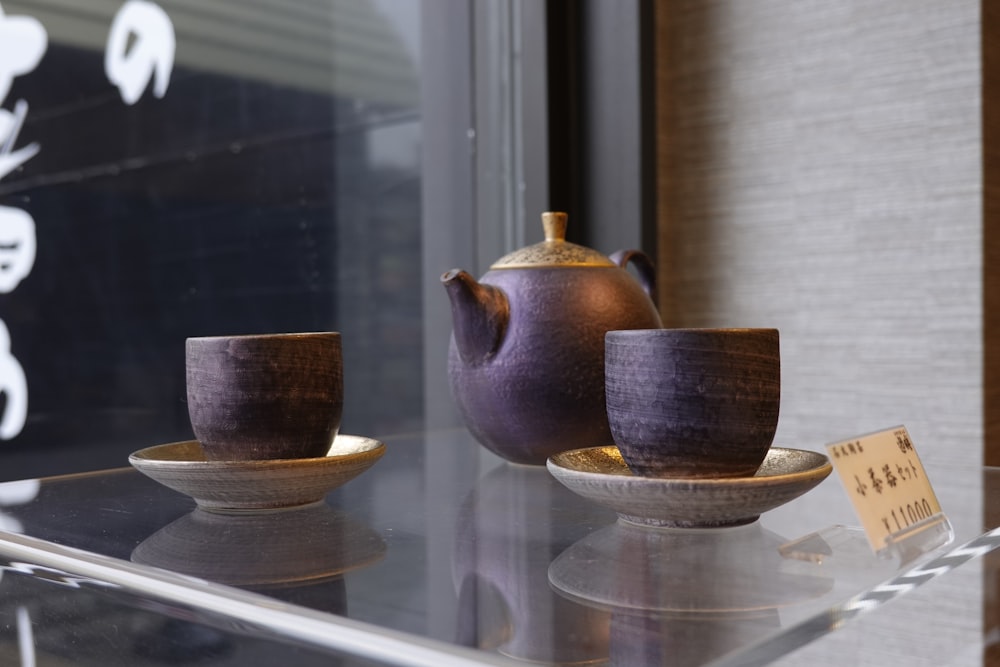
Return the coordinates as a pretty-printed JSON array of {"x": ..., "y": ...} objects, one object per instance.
[
  {"x": 303, "y": 545},
  {"x": 629, "y": 568},
  {"x": 256, "y": 485},
  {"x": 600, "y": 474},
  {"x": 684, "y": 597}
]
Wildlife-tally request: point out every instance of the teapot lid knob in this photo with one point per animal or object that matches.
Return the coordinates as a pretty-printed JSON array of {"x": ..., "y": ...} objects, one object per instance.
[
  {"x": 554, "y": 224},
  {"x": 555, "y": 250}
]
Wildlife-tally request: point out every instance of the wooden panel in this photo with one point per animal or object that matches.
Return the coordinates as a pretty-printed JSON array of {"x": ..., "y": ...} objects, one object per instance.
[{"x": 991, "y": 234}]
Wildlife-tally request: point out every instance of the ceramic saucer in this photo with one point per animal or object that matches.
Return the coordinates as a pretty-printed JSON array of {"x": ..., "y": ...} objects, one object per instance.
[
  {"x": 256, "y": 485},
  {"x": 600, "y": 474}
]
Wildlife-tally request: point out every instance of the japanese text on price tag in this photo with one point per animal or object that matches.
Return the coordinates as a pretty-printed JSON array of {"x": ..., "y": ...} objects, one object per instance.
[{"x": 886, "y": 483}]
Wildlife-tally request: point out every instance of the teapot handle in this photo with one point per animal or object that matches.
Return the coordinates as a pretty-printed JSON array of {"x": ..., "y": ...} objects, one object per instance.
[{"x": 643, "y": 264}]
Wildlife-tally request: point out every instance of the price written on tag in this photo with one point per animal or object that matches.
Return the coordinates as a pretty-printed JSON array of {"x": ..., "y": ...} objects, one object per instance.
[{"x": 886, "y": 483}]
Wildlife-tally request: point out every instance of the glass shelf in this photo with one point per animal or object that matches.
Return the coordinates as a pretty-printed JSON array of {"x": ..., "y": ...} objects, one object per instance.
[{"x": 440, "y": 554}]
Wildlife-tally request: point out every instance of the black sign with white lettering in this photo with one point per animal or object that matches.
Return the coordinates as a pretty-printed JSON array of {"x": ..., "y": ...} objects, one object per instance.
[{"x": 170, "y": 171}]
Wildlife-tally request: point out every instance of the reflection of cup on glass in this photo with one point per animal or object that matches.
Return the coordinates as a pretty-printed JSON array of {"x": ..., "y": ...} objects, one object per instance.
[
  {"x": 687, "y": 594},
  {"x": 509, "y": 528},
  {"x": 693, "y": 402},
  {"x": 268, "y": 396},
  {"x": 298, "y": 555}
]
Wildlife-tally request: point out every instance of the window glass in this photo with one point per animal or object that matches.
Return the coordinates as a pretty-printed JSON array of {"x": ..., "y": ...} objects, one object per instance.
[{"x": 172, "y": 169}]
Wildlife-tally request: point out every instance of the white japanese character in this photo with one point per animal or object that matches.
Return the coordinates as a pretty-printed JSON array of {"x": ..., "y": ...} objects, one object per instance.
[{"x": 141, "y": 44}]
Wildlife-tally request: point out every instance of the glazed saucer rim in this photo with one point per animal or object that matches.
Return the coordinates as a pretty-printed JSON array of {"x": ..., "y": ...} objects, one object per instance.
[
  {"x": 364, "y": 448},
  {"x": 820, "y": 465}
]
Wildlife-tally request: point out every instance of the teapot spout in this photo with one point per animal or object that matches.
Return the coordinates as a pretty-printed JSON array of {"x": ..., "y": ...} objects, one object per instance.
[{"x": 479, "y": 314}]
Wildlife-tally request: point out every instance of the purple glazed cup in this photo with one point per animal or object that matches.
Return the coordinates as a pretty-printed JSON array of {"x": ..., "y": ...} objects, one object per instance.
[
  {"x": 693, "y": 402},
  {"x": 268, "y": 396}
]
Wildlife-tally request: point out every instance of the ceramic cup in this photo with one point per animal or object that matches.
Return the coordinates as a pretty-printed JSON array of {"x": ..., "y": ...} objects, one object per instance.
[
  {"x": 693, "y": 402},
  {"x": 269, "y": 396}
]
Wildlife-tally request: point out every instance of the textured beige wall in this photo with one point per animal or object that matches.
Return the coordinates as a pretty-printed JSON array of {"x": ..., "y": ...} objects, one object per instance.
[{"x": 820, "y": 171}]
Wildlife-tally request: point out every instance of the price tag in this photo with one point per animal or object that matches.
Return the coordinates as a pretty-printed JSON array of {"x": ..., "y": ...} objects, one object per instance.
[{"x": 886, "y": 482}]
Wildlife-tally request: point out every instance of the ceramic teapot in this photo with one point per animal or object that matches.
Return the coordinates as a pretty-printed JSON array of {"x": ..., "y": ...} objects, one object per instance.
[{"x": 526, "y": 358}]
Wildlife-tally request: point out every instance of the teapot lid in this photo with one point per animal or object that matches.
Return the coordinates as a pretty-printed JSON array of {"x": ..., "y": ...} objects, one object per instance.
[{"x": 555, "y": 250}]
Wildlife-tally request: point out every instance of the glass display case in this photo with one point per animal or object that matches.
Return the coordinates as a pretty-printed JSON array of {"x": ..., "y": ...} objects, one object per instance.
[{"x": 439, "y": 554}]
